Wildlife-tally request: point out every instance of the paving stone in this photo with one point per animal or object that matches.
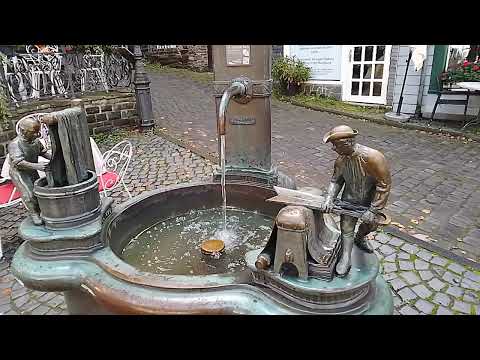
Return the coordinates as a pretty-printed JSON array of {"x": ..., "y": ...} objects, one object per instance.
[
  {"x": 396, "y": 242},
  {"x": 469, "y": 284},
  {"x": 459, "y": 269},
  {"x": 422, "y": 291},
  {"x": 436, "y": 284},
  {"x": 426, "y": 275},
  {"x": 391, "y": 258},
  {"x": 443, "y": 311},
  {"x": 386, "y": 250},
  {"x": 4, "y": 308},
  {"x": 382, "y": 238},
  {"x": 403, "y": 255},
  {"x": 389, "y": 267},
  {"x": 421, "y": 265},
  {"x": 19, "y": 302},
  {"x": 424, "y": 255},
  {"x": 390, "y": 276},
  {"x": 408, "y": 310},
  {"x": 397, "y": 302},
  {"x": 437, "y": 260},
  {"x": 472, "y": 276},
  {"x": 451, "y": 278},
  {"x": 41, "y": 310},
  {"x": 471, "y": 297},
  {"x": 406, "y": 294},
  {"x": 455, "y": 291},
  {"x": 424, "y": 306},
  {"x": 409, "y": 248},
  {"x": 397, "y": 284},
  {"x": 442, "y": 299},
  {"x": 406, "y": 265},
  {"x": 461, "y": 307},
  {"x": 410, "y": 277}
]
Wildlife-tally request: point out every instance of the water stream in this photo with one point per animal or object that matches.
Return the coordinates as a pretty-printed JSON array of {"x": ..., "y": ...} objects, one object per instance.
[{"x": 224, "y": 193}]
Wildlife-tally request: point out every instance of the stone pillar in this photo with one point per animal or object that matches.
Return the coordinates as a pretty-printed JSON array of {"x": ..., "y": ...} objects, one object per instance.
[{"x": 142, "y": 93}]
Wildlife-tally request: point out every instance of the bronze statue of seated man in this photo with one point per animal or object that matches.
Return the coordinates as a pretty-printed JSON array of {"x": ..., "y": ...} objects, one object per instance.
[{"x": 23, "y": 152}]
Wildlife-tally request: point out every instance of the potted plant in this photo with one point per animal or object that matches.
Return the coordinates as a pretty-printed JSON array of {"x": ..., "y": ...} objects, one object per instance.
[
  {"x": 290, "y": 73},
  {"x": 468, "y": 71}
]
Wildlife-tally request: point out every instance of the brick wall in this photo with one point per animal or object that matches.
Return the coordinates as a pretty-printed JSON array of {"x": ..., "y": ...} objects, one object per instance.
[{"x": 104, "y": 112}]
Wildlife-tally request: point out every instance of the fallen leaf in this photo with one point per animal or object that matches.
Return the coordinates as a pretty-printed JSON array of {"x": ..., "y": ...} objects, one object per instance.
[
  {"x": 370, "y": 237},
  {"x": 414, "y": 221},
  {"x": 7, "y": 292},
  {"x": 397, "y": 224},
  {"x": 421, "y": 217},
  {"x": 410, "y": 226},
  {"x": 421, "y": 237},
  {"x": 426, "y": 211}
]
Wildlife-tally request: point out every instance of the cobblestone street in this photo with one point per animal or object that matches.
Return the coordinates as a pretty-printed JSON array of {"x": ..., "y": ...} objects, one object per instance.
[
  {"x": 422, "y": 282},
  {"x": 435, "y": 189}
]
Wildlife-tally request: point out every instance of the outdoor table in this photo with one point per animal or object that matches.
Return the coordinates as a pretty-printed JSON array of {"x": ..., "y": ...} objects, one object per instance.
[
  {"x": 97, "y": 159},
  {"x": 475, "y": 87}
]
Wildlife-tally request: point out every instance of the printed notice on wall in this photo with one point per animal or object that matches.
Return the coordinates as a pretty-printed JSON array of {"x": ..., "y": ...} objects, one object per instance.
[
  {"x": 238, "y": 55},
  {"x": 324, "y": 60}
]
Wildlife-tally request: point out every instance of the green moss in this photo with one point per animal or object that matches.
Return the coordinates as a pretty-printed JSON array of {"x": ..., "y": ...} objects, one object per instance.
[
  {"x": 113, "y": 137},
  {"x": 201, "y": 77},
  {"x": 331, "y": 103}
]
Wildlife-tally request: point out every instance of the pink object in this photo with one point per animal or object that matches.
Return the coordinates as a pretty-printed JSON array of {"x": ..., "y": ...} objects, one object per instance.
[
  {"x": 6, "y": 190},
  {"x": 107, "y": 179}
]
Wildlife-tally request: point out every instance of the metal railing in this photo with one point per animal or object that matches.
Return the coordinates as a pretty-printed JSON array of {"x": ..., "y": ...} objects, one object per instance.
[{"x": 37, "y": 75}]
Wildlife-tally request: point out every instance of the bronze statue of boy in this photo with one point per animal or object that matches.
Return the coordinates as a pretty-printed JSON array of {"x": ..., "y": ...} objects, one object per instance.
[
  {"x": 23, "y": 152},
  {"x": 365, "y": 176}
]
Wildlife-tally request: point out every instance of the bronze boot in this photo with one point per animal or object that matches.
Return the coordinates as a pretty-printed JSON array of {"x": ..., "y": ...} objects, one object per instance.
[{"x": 344, "y": 264}]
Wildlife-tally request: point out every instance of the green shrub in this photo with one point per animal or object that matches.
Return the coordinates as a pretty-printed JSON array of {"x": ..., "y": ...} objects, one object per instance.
[{"x": 289, "y": 73}]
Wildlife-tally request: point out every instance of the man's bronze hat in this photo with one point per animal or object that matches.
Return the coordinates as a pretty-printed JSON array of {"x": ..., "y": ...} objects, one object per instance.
[{"x": 340, "y": 132}]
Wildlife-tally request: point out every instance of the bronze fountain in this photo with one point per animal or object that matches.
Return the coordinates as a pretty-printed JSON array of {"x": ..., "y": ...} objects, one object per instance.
[{"x": 306, "y": 265}]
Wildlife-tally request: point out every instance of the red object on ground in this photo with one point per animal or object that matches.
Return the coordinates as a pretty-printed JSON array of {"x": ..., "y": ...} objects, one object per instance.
[
  {"x": 6, "y": 191},
  {"x": 110, "y": 178}
]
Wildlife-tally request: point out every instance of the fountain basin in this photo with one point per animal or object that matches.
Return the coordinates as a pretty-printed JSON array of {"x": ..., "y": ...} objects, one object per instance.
[{"x": 103, "y": 283}]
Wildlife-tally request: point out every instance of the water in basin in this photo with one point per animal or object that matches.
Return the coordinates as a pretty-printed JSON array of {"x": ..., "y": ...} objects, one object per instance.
[{"x": 172, "y": 246}]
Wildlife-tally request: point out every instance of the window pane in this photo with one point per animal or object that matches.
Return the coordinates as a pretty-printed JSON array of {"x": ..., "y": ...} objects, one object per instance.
[
  {"x": 355, "y": 88},
  {"x": 357, "y": 53},
  {"x": 378, "y": 71},
  {"x": 380, "y": 53},
  {"x": 366, "y": 88},
  {"x": 457, "y": 54},
  {"x": 356, "y": 71},
  {"x": 368, "y": 53},
  {"x": 367, "y": 71},
  {"x": 377, "y": 88}
]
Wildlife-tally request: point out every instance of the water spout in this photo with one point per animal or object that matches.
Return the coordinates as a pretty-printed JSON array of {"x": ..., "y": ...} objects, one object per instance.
[{"x": 235, "y": 89}]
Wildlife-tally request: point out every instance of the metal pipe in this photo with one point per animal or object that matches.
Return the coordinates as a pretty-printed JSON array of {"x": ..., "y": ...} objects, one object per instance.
[
  {"x": 236, "y": 88},
  {"x": 403, "y": 85}
]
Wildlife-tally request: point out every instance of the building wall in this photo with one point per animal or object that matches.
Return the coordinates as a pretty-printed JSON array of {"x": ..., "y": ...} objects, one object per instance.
[
  {"x": 392, "y": 72},
  {"x": 104, "y": 113},
  {"x": 418, "y": 83}
]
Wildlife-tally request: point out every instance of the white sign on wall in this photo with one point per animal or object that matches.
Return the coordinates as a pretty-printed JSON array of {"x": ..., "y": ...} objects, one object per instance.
[{"x": 324, "y": 60}]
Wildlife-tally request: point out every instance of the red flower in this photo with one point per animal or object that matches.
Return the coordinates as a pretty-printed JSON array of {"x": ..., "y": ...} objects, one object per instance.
[{"x": 476, "y": 68}]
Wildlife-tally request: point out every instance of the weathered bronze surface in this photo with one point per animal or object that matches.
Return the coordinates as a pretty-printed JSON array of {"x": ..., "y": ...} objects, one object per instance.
[
  {"x": 363, "y": 174},
  {"x": 23, "y": 152}
]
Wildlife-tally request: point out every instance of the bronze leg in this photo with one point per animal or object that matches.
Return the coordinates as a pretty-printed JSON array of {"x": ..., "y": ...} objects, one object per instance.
[
  {"x": 360, "y": 238},
  {"x": 24, "y": 184},
  {"x": 347, "y": 227}
]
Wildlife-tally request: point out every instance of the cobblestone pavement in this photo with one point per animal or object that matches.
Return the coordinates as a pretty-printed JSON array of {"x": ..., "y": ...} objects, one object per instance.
[
  {"x": 435, "y": 192},
  {"x": 421, "y": 282}
]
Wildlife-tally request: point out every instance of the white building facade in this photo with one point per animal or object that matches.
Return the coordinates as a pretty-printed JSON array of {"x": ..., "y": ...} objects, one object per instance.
[{"x": 354, "y": 73}]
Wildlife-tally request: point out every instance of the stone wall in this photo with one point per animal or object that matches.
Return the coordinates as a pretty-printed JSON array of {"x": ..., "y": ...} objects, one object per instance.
[
  {"x": 197, "y": 56},
  {"x": 105, "y": 111}
]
